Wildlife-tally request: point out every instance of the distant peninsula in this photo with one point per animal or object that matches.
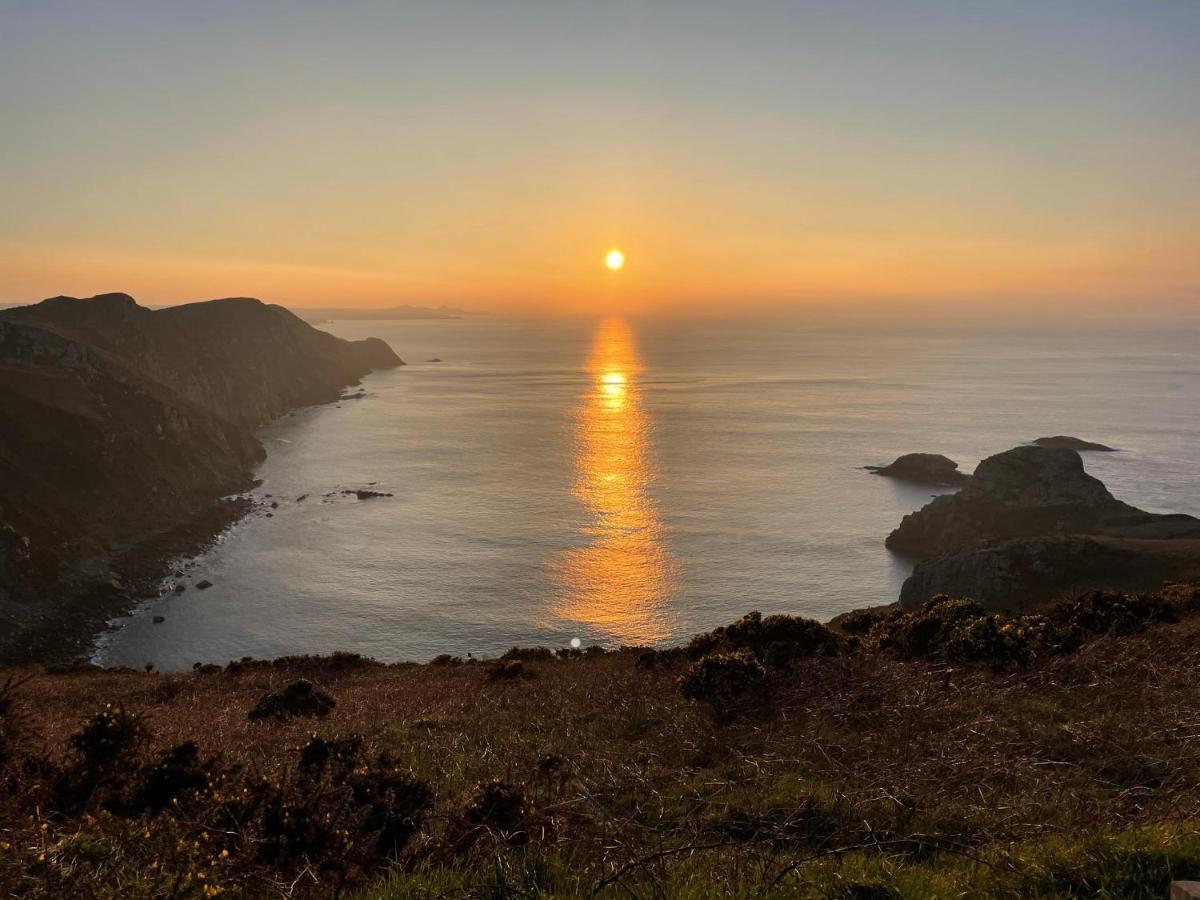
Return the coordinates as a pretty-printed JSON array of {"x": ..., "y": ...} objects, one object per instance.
[{"x": 318, "y": 315}]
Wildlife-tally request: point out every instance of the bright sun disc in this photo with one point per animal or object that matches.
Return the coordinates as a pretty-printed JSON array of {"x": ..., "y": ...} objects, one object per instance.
[{"x": 614, "y": 259}]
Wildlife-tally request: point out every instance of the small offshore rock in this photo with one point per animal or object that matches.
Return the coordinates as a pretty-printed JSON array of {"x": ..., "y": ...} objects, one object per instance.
[
  {"x": 1065, "y": 442},
  {"x": 923, "y": 468},
  {"x": 203, "y": 584},
  {"x": 158, "y": 620}
]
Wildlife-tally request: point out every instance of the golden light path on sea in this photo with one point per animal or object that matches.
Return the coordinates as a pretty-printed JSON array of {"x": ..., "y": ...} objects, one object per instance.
[{"x": 619, "y": 580}]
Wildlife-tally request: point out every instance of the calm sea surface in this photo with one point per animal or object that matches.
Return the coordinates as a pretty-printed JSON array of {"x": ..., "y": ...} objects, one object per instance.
[{"x": 634, "y": 482}]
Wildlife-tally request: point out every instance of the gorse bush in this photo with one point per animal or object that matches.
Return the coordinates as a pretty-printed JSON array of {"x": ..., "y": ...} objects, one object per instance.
[
  {"x": 924, "y": 631},
  {"x": 300, "y": 698},
  {"x": 320, "y": 754},
  {"x": 507, "y": 670},
  {"x": 774, "y": 640},
  {"x": 722, "y": 678},
  {"x": 106, "y": 736},
  {"x": 177, "y": 773},
  {"x": 1101, "y": 612},
  {"x": 962, "y": 631},
  {"x": 528, "y": 654}
]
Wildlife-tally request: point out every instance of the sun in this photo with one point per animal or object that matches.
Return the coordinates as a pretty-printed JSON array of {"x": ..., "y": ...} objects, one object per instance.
[{"x": 614, "y": 259}]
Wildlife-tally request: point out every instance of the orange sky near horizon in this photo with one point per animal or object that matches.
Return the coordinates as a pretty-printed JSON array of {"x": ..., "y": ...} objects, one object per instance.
[{"x": 782, "y": 158}]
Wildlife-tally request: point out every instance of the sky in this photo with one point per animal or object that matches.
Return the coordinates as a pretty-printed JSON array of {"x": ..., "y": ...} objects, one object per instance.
[{"x": 935, "y": 155}]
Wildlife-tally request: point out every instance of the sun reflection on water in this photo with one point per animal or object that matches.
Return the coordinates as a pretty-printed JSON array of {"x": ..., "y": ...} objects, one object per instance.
[{"x": 619, "y": 580}]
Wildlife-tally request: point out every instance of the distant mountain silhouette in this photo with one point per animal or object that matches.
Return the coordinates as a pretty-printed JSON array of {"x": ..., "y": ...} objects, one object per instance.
[{"x": 333, "y": 313}]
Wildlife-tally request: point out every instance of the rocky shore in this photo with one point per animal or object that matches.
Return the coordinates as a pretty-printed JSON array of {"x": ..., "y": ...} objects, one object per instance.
[{"x": 122, "y": 427}]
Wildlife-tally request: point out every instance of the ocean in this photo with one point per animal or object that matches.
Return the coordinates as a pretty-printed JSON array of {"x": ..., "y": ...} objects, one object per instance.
[{"x": 634, "y": 482}]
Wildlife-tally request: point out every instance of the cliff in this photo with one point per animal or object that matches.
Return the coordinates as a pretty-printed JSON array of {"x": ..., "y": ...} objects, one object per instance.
[
  {"x": 119, "y": 423},
  {"x": 240, "y": 358},
  {"x": 1027, "y": 573}
]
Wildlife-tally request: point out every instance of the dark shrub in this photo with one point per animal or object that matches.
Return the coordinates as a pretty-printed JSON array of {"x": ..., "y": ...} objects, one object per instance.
[
  {"x": 646, "y": 659},
  {"x": 175, "y": 774},
  {"x": 506, "y": 670},
  {"x": 860, "y": 621},
  {"x": 528, "y": 654},
  {"x": 393, "y": 802},
  {"x": 300, "y": 698},
  {"x": 340, "y": 812},
  {"x": 106, "y": 736},
  {"x": 497, "y": 804},
  {"x": 775, "y": 640},
  {"x": 720, "y": 678},
  {"x": 1098, "y": 612},
  {"x": 445, "y": 659},
  {"x": 320, "y": 755},
  {"x": 703, "y": 644},
  {"x": 923, "y": 632},
  {"x": 995, "y": 639}
]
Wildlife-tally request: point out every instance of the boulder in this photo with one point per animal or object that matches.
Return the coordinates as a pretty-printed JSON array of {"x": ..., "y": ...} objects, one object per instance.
[{"x": 923, "y": 468}]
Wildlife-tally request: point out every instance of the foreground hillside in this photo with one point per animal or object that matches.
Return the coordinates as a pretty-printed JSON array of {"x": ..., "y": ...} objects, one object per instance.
[
  {"x": 942, "y": 752},
  {"x": 121, "y": 427}
]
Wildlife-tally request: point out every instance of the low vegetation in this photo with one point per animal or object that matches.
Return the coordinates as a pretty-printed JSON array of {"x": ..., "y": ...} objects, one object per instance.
[{"x": 939, "y": 752}]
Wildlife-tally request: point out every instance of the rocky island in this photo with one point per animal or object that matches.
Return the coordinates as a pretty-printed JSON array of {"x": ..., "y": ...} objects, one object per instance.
[
  {"x": 122, "y": 427},
  {"x": 1064, "y": 442},
  {"x": 923, "y": 468},
  {"x": 1032, "y": 525}
]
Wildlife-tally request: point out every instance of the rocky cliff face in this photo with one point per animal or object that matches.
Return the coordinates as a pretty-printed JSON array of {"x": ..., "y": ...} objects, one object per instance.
[
  {"x": 1029, "y": 572},
  {"x": 119, "y": 423}
]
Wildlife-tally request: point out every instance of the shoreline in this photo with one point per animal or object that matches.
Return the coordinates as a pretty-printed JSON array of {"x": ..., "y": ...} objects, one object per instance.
[{"x": 69, "y": 633}]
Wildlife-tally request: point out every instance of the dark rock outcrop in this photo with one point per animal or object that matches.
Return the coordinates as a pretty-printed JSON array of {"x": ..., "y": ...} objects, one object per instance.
[
  {"x": 1063, "y": 442},
  {"x": 1032, "y": 525},
  {"x": 923, "y": 468},
  {"x": 1030, "y": 572},
  {"x": 1029, "y": 492},
  {"x": 121, "y": 424}
]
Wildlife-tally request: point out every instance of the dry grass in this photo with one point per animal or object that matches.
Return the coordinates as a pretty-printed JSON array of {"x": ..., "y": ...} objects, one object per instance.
[{"x": 837, "y": 771}]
